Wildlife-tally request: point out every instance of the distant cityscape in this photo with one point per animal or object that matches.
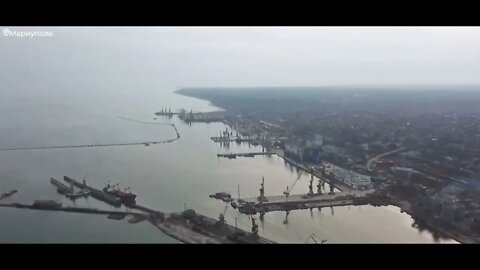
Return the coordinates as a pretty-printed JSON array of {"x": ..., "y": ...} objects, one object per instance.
[{"x": 414, "y": 148}]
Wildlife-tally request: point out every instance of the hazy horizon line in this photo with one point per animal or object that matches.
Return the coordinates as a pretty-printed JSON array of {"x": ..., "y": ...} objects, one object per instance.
[{"x": 371, "y": 86}]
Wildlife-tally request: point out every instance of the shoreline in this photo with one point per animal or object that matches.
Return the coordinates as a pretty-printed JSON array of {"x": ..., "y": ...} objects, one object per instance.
[
  {"x": 462, "y": 239},
  {"x": 404, "y": 208}
]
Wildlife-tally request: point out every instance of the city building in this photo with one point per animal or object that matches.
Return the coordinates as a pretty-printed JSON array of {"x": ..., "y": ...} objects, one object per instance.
[
  {"x": 403, "y": 172},
  {"x": 348, "y": 177},
  {"x": 315, "y": 141}
]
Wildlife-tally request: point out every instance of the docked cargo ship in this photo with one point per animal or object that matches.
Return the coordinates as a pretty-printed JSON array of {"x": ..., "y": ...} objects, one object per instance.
[
  {"x": 125, "y": 197},
  {"x": 95, "y": 193}
]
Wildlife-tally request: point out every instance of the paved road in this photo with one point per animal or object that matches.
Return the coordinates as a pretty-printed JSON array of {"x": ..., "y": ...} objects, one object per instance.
[{"x": 370, "y": 162}]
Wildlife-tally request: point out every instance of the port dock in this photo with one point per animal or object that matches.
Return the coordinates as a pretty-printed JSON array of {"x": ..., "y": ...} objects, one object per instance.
[
  {"x": 302, "y": 201},
  {"x": 61, "y": 188},
  {"x": 330, "y": 180},
  {"x": 166, "y": 112},
  {"x": 170, "y": 114},
  {"x": 96, "y": 193},
  {"x": 70, "y": 209},
  {"x": 226, "y": 140},
  {"x": 252, "y": 154},
  {"x": 193, "y": 228},
  {"x": 203, "y": 117},
  {"x": 187, "y": 226}
]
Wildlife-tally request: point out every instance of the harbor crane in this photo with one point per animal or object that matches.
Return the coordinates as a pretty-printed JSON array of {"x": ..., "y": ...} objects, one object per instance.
[
  {"x": 321, "y": 180},
  {"x": 115, "y": 185},
  {"x": 286, "y": 217},
  {"x": 262, "y": 216},
  {"x": 221, "y": 218},
  {"x": 262, "y": 190},
  {"x": 319, "y": 186},
  {"x": 312, "y": 236},
  {"x": 331, "y": 190},
  {"x": 287, "y": 192},
  {"x": 310, "y": 187}
]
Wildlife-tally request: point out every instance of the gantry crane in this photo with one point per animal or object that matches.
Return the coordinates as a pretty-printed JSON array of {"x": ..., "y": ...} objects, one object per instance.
[
  {"x": 312, "y": 236},
  {"x": 287, "y": 192},
  {"x": 221, "y": 218},
  {"x": 286, "y": 217},
  {"x": 310, "y": 187},
  {"x": 261, "y": 198}
]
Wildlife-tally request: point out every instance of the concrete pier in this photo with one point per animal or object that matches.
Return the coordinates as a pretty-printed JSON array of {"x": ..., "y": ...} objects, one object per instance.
[
  {"x": 252, "y": 154},
  {"x": 62, "y": 188},
  {"x": 303, "y": 201},
  {"x": 71, "y": 209},
  {"x": 330, "y": 180},
  {"x": 188, "y": 226},
  {"x": 228, "y": 139},
  {"x": 96, "y": 193},
  {"x": 193, "y": 228}
]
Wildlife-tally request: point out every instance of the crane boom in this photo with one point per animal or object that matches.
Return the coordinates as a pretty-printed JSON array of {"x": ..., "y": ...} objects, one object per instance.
[{"x": 287, "y": 192}]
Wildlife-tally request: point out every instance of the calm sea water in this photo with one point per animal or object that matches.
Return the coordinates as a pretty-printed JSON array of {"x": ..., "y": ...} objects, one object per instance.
[{"x": 70, "y": 90}]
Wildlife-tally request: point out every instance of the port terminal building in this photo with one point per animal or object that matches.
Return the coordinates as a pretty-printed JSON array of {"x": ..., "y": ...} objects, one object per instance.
[{"x": 350, "y": 178}]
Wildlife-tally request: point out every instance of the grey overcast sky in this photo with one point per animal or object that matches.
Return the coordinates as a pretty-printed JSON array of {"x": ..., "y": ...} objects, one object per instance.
[{"x": 247, "y": 56}]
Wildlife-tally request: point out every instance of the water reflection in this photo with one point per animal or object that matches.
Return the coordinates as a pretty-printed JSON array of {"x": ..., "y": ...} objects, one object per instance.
[
  {"x": 347, "y": 224},
  {"x": 286, "y": 218}
]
